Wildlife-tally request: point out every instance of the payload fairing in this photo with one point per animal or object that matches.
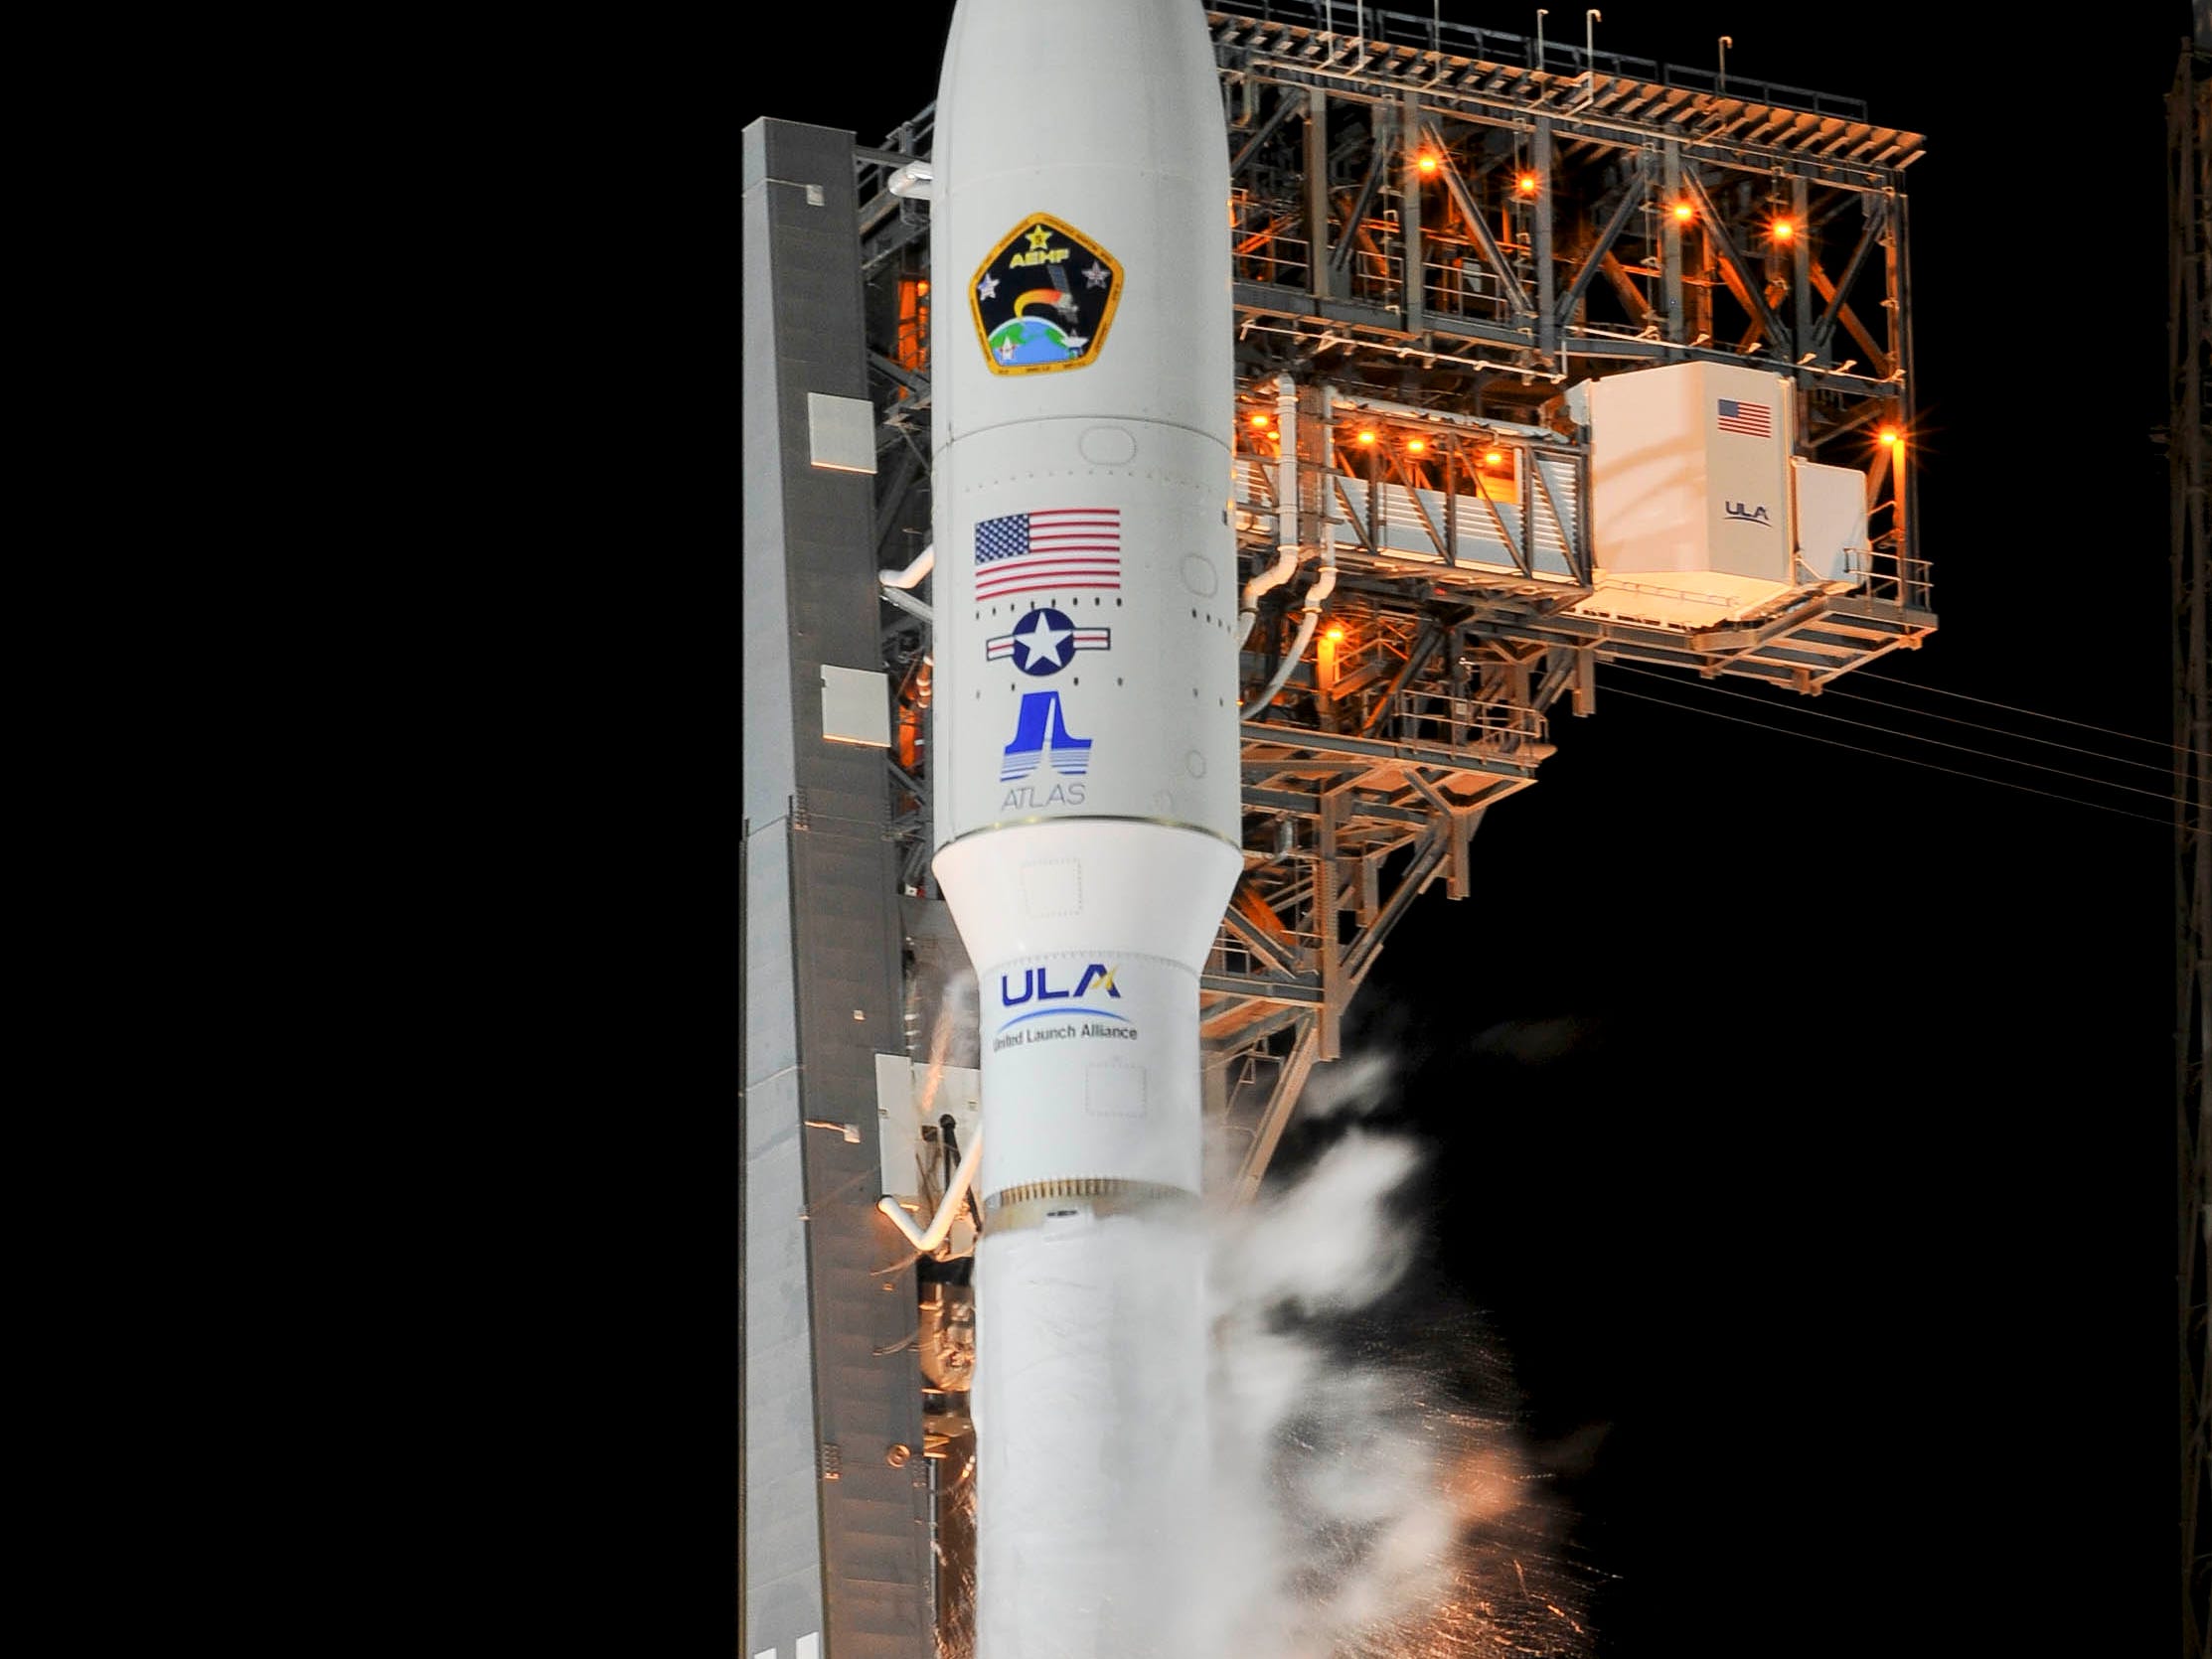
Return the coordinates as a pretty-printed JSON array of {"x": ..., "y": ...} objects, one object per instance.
[{"x": 1086, "y": 760}]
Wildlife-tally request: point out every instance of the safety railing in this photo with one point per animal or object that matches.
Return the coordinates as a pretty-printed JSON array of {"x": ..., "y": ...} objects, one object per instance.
[
  {"x": 1463, "y": 722},
  {"x": 1561, "y": 58}
]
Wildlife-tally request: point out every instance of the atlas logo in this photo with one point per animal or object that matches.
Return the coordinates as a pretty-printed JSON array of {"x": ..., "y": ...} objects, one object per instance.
[
  {"x": 1037, "y": 986},
  {"x": 1040, "y": 734},
  {"x": 1750, "y": 515}
]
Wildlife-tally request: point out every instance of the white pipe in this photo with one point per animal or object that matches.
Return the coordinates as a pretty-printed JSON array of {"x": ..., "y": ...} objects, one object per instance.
[
  {"x": 1274, "y": 576},
  {"x": 1326, "y": 584},
  {"x": 1286, "y": 511},
  {"x": 1308, "y": 619},
  {"x": 910, "y": 576},
  {"x": 913, "y": 607},
  {"x": 925, "y": 1240}
]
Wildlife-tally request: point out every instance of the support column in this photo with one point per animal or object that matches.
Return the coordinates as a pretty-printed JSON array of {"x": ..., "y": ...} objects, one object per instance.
[
  {"x": 1410, "y": 214},
  {"x": 1547, "y": 322},
  {"x": 1670, "y": 240},
  {"x": 1317, "y": 191}
]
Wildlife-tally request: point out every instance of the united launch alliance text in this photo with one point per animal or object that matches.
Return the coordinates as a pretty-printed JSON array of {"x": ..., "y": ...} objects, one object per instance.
[{"x": 1053, "y": 1033}]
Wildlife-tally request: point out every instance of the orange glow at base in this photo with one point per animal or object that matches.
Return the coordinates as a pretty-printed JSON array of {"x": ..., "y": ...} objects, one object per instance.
[
  {"x": 1416, "y": 445},
  {"x": 1366, "y": 437},
  {"x": 1490, "y": 458},
  {"x": 1783, "y": 230},
  {"x": 1259, "y": 420},
  {"x": 1527, "y": 184},
  {"x": 1335, "y": 631},
  {"x": 1890, "y": 437},
  {"x": 1428, "y": 163},
  {"x": 1683, "y": 210}
]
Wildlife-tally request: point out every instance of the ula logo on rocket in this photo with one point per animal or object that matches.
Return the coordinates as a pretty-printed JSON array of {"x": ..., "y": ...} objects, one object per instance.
[
  {"x": 1060, "y": 1014},
  {"x": 1037, "y": 986},
  {"x": 1043, "y": 298},
  {"x": 1746, "y": 512}
]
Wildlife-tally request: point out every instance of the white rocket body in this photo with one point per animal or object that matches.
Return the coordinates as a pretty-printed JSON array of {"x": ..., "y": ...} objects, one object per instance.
[{"x": 1085, "y": 775}]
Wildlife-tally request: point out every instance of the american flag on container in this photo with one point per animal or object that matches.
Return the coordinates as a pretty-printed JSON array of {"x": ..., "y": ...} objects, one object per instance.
[
  {"x": 1753, "y": 420},
  {"x": 1048, "y": 550}
]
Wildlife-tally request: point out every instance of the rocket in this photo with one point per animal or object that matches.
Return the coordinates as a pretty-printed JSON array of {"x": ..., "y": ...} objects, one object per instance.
[{"x": 1085, "y": 791}]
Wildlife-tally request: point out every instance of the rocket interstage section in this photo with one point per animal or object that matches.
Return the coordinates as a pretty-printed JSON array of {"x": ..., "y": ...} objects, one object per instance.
[
  {"x": 1067, "y": 1035},
  {"x": 1087, "y": 937}
]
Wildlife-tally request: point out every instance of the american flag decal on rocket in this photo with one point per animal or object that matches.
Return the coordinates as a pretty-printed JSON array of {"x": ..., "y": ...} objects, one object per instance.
[
  {"x": 1753, "y": 420},
  {"x": 1049, "y": 550}
]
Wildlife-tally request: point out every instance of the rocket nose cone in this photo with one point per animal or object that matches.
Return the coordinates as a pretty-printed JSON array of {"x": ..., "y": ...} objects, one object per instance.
[{"x": 1024, "y": 81}]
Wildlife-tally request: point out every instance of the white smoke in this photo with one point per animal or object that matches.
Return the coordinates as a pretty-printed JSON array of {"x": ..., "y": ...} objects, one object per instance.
[
  {"x": 953, "y": 1039},
  {"x": 1356, "y": 1086},
  {"x": 1371, "y": 1490},
  {"x": 1365, "y": 1503}
]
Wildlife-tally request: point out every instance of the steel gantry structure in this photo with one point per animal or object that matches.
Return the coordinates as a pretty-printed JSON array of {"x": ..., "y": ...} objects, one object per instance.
[
  {"x": 1441, "y": 236},
  {"x": 1438, "y": 232}
]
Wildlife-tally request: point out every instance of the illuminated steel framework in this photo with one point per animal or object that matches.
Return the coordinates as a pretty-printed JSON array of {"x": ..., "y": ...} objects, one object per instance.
[{"x": 1438, "y": 232}]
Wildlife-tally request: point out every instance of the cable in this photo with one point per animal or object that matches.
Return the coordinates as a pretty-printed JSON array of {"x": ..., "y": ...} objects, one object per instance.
[
  {"x": 2001, "y": 732},
  {"x": 1668, "y": 703},
  {"x": 2032, "y": 714},
  {"x": 1868, "y": 725}
]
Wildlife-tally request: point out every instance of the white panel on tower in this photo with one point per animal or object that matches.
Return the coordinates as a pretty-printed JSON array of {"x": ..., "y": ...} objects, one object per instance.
[
  {"x": 1830, "y": 521},
  {"x": 841, "y": 432},
  {"x": 897, "y": 1125},
  {"x": 856, "y": 706}
]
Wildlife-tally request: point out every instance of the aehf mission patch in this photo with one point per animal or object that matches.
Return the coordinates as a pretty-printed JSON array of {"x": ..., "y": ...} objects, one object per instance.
[{"x": 1044, "y": 298}]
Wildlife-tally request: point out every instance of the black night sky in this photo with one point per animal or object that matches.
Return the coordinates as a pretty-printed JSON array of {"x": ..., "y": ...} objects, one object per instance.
[{"x": 1801, "y": 1118}]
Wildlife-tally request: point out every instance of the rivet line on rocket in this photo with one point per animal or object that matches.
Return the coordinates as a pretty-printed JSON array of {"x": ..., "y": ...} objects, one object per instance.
[
  {"x": 1091, "y": 817},
  {"x": 1213, "y": 438},
  {"x": 1033, "y": 1202}
]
